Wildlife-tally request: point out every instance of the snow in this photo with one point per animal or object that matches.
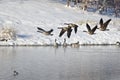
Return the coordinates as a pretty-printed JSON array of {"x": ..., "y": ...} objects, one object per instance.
[{"x": 25, "y": 16}]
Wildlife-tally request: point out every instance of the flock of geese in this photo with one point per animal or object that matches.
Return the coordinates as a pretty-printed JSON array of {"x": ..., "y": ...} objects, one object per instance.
[{"x": 68, "y": 30}]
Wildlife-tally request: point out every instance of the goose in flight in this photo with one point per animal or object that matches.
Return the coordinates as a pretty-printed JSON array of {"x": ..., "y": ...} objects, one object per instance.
[
  {"x": 103, "y": 25},
  {"x": 90, "y": 31},
  {"x": 44, "y": 31},
  {"x": 65, "y": 29},
  {"x": 75, "y": 26}
]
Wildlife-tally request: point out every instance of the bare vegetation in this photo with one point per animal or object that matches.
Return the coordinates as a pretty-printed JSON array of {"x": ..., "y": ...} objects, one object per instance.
[
  {"x": 7, "y": 33},
  {"x": 101, "y": 6}
]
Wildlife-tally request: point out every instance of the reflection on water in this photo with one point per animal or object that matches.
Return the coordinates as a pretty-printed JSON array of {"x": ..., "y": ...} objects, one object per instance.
[{"x": 48, "y": 63}]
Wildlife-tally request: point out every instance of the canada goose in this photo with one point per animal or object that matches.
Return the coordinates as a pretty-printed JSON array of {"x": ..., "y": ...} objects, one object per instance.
[
  {"x": 64, "y": 43},
  {"x": 55, "y": 44},
  {"x": 3, "y": 40},
  {"x": 103, "y": 25},
  {"x": 64, "y": 29},
  {"x": 90, "y": 31},
  {"x": 75, "y": 26},
  {"x": 45, "y": 32},
  {"x": 118, "y": 43},
  {"x": 15, "y": 73},
  {"x": 75, "y": 44}
]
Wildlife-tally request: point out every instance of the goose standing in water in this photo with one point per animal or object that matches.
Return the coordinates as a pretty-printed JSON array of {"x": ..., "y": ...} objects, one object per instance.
[
  {"x": 75, "y": 44},
  {"x": 65, "y": 29},
  {"x": 56, "y": 44},
  {"x": 64, "y": 43},
  {"x": 44, "y": 31},
  {"x": 90, "y": 31},
  {"x": 103, "y": 25},
  {"x": 75, "y": 26},
  {"x": 118, "y": 43}
]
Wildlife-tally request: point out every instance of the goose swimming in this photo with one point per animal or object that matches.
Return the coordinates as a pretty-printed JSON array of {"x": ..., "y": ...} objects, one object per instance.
[
  {"x": 15, "y": 73},
  {"x": 75, "y": 44}
]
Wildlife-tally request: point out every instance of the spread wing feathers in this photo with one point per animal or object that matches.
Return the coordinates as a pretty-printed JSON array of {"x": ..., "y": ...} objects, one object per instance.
[
  {"x": 75, "y": 28},
  {"x": 72, "y": 25},
  {"x": 62, "y": 32},
  {"x": 67, "y": 23},
  {"x": 40, "y": 29},
  {"x": 69, "y": 32},
  {"x": 88, "y": 27},
  {"x": 106, "y": 23},
  {"x": 93, "y": 30},
  {"x": 101, "y": 21}
]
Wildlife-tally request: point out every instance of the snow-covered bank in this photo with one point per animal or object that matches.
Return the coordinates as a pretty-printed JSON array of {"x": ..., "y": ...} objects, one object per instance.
[{"x": 26, "y": 16}]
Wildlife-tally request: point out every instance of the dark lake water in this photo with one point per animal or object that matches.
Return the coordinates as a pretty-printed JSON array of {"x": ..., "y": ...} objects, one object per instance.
[{"x": 49, "y": 63}]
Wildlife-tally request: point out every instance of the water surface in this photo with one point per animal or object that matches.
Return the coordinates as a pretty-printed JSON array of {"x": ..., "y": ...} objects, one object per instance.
[{"x": 49, "y": 63}]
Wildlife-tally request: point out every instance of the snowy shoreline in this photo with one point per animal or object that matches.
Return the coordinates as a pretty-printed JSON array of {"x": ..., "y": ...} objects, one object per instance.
[
  {"x": 27, "y": 16},
  {"x": 52, "y": 45}
]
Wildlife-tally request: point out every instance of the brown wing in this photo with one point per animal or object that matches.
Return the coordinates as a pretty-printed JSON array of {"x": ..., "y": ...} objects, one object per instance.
[
  {"x": 69, "y": 32},
  {"x": 101, "y": 22},
  {"x": 88, "y": 27},
  {"x": 40, "y": 29},
  {"x": 62, "y": 32},
  {"x": 75, "y": 28},
  {"x": 67, "y": 23},
  {"x": 93, "y": 30},
  {"x": 106, "y": 23}
]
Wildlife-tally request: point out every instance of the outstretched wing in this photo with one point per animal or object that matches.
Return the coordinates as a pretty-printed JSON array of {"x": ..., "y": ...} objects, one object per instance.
[
  {"x": 93, "y": 30},
  {"x": 40, "y": 29},
  {"x": 69, "y": 32},
  {"x": 101, "y": 22},
  {"x": 75, "y": 28},
  {"x": 62, "y": 32},
  {"x": 88, "y": 27},
  {"x": 67, "y": 23},
  {"x": 106, "y": 23}
]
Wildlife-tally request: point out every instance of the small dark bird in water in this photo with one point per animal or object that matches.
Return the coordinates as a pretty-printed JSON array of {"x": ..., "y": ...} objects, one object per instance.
[
  {"x": 90, "y": 31},
  {"x": 72, "y": 25},
  {"x": 15, "y": 73},
  {"x": 44, "y": 31},
  {"x": 65, "y": 29},
  {"x": 103, "y": 25}
]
